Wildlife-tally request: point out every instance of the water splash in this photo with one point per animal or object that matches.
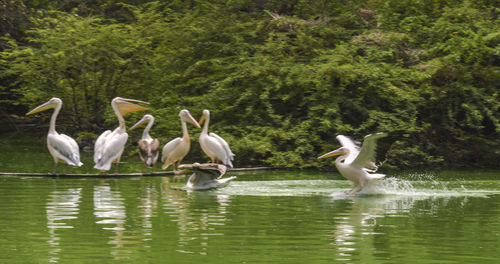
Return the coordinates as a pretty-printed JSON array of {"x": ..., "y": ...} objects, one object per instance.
[
  {"x": 428, "y": 187},
  {"x": 424, "y": 185}
]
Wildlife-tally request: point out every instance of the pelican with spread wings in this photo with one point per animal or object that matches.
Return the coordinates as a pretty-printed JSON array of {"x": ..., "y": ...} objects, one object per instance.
[
  {"x": 355, "y": 164},
  {"x": 206, "y": 176},
  {"x": 61, "y": 146}
]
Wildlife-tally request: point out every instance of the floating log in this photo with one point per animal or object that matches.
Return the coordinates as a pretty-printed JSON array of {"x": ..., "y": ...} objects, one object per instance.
[
  {"x": 90, "y": 175},
  {"x": 252, "y": 169},
  {"x": 116, "y": 175}
]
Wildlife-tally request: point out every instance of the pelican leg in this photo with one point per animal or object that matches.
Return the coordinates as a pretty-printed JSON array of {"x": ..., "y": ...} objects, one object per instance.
[
  {"x": 174, "y": 168},
  {"x": 358, "y": 188},
  {"x": 354, "y": 190},
  {"x": 362, "y": 186},
  {"x": 116, "y": 167},
  {"x": 179, "y": 173},
  {"x": 55, "y": 169}
]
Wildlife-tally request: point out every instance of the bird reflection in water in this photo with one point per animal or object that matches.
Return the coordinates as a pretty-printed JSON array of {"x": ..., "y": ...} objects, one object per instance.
[
  {"x": 198, "y": 216},
  {"x": 62, "y": 207},
  {"x": 148, "y": 209},
  {"x": 109, "y": 210},
  {"x": 355, "y": 227}
]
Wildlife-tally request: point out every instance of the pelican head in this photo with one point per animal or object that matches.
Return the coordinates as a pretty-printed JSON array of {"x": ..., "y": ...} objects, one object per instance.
[
  {"x": 145, "y": 119},
  {"x": 125, "y": 106},
  {"x": 186, "y": 116},
  {"x": 52, "y": 103},
  {"x": 339, "y": 151},
  {"x": 204, "y": 116}
]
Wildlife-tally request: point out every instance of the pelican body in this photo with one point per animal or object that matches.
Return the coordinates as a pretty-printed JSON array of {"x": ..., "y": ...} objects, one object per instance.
[
  {"x": 109, "y": 145},
  {"x": 213, "y": 145},
  {"x": 357, "y": 165},
  {"x": 206, "y": 176},
  {"x": 61, "y": 146},
  {"x": 148, "y": 147},
  {"x": 176, "y": 149}
]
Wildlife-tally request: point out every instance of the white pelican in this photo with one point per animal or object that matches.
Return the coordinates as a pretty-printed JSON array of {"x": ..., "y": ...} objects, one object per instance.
[
  {"x": 214, "y": 146},
  {"x": 177, "y": 149},
  {"x": 206, "y": 176},
  {"x": 354, "y": 164},
  {"x": 61, "y": 146},
  {"x": 109, "y": 145},
  {"x": 148, "y": 147}
]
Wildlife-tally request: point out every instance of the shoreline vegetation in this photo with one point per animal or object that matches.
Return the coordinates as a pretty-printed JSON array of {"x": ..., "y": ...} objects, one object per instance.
[{"x": 281, "y": 78}]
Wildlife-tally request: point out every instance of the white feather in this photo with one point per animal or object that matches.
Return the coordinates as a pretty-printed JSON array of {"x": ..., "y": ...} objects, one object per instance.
[
  {"x": 112, "y": 148},
  {"x": 64, "y": 148}
]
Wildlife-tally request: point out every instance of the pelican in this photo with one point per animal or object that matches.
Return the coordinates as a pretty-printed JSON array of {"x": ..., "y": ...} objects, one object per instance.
[
  {"x": 177, "y": 149},
  {"x": 61, "y": 146},
  {"x": 109, "y": 145},
  {"x": 357, "y": 165},
  {"x": 206, "y": 176},
  {"x": 148, "y": 147},
  {"x": 214, "y": 146}
]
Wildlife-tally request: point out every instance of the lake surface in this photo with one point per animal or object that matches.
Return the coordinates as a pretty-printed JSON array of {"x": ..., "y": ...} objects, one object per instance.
[{"x": 261, "y": 217}]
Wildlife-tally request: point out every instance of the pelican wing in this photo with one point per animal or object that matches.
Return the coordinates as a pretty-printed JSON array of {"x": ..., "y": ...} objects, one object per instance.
[
  {"x": 351, "y": 145},
  {"x": 155, "y": 149},
  {"x": 72, "y": 142},
  {"x": 169, "y": 149},
  {"x": 99, "y": 145},
  {"x": 148, "y": 150},
  {"x": 112, "y": 149},
  {"x": 215, "y": 171},
  {"x": 224, "y": 144},
  {"x": 214, "y": 146},
  {"x": 64, "y": 148},
  {"x": 144, "y": 149},
  {"x": 366, "y": 157}
]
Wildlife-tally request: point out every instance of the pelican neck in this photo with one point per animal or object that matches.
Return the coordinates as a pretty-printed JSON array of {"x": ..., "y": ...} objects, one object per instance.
[
  {"x": 52, "y": 127},
  {"x": 205, "y": 126},
  {"x": 121, "y": 120},
  {"x": 185, "y": 134},
  {"x": 145, "y": 133}
]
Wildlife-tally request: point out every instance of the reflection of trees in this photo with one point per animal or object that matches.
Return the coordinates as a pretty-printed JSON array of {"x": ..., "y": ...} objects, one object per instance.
[{"x": 61, "y": 207}]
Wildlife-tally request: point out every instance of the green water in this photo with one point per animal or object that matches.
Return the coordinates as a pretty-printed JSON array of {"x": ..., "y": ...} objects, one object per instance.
[
  {"x": 261, "y": 217},
  {"x": 253, "y": 220}
]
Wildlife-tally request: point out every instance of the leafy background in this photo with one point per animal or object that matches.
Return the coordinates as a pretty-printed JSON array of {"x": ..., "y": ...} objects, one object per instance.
[{"x": 281, "y": 78}]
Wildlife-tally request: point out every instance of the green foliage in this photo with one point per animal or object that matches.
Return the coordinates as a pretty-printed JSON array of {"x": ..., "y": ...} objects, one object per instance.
[{"x": 281, "y": 79}]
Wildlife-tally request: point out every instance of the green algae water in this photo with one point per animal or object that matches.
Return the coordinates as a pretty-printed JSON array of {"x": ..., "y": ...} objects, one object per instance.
[{"x": 261, "y": 217}]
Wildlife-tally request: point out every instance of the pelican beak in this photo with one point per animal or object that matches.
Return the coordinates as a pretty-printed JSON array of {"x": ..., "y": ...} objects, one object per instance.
[
  {"x": 126, "y": 106},
  {"x": 140, "y": 122},
  {"x": 336, "y": 152},
  {"x": 191, "y": 120},
  {"x": 202, "y": 119},
  {"x": 47, "y": 105}
]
